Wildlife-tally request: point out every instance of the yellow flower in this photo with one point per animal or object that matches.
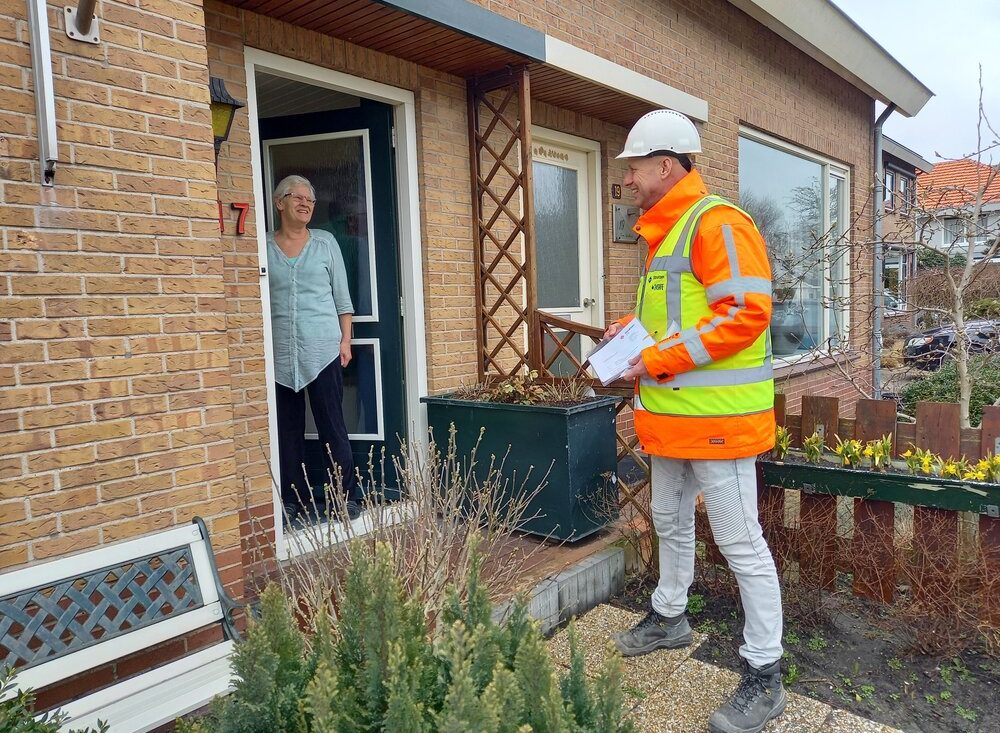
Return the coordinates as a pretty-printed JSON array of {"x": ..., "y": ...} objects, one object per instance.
[
  {"x": 908, "y": 453},
  {"x": 869, "y": 452},
  {"x": 949, "y": 469}
]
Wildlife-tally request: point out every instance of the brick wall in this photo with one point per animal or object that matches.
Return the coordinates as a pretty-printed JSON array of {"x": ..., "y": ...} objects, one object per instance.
[
  {"x": 133, "y": 379},
  {"x": 115, "y": 407}
]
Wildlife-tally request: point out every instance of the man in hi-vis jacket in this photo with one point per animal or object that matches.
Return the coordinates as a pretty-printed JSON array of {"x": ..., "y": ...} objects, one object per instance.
[{"x": 704, "y": 403}]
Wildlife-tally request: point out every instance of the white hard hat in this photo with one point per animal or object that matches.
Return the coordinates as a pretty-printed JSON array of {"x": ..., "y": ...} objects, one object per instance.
[{"x": 661, "y": 129}]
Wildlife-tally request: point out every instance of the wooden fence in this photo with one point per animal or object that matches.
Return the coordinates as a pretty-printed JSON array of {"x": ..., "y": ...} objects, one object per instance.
[
  {"x": 813, "y": 539},
  {"x": 869, "y": 550}
]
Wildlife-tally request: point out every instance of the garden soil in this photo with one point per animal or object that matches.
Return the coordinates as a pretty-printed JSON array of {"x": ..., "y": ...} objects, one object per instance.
[{"x": 853, "y": 662}]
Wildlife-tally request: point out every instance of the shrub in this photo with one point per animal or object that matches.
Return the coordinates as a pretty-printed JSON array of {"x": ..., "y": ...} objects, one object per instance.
[
  {"x": 983, "y": 308},
  {"x": 942, "y": 386},
  {"x": 17, "y": 711},
  {"x": 382, "y": 667}
]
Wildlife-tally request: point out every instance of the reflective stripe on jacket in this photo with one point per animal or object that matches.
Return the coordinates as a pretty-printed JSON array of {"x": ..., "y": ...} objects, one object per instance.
[{"x": 710, "y": 392}]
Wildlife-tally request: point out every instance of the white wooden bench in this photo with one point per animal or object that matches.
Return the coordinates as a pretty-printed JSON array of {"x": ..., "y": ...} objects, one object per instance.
[{"x": 61, "y": 618}]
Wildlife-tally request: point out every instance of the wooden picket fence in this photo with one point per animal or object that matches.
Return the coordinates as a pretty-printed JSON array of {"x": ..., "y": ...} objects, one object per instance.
[{"x": 867, "y": 549}]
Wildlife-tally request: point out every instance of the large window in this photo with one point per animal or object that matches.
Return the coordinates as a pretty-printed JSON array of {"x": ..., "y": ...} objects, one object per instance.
[{"x": 800, "y": 204}]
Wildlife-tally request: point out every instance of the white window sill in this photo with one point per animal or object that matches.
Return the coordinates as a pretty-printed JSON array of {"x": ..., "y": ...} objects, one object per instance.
[
  {"x": 307, "y": 540},
  {"x": 794, "y": 365}
]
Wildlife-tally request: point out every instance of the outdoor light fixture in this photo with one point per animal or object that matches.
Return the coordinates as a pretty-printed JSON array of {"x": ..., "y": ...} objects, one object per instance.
[{"x": 224, "y": 108}]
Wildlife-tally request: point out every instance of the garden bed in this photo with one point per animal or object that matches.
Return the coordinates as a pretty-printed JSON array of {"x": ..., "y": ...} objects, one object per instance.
[{"x": 854, "y": 663}]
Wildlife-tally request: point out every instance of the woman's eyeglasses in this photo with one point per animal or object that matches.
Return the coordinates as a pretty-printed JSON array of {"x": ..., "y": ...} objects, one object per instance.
[{"x": 300, "y": 199}]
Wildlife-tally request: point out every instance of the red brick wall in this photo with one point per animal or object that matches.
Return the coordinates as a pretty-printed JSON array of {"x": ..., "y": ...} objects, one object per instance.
[
  {"x": 133, "y": 378},
  {"x": 115, "y": 408}
]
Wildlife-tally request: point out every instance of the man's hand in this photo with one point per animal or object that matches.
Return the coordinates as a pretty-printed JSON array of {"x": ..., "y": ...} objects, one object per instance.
[
  {"x": 611, "y": 330},
  {"x": 345, "y": 353},
  {"x": 637, "y": 368}
]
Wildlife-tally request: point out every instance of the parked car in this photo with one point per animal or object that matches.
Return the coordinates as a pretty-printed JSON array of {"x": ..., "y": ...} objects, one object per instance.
[{"x": 929, "y": 349}]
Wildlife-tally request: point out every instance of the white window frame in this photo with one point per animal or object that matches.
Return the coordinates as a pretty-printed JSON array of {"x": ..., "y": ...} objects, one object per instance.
[
  {"x": 403, "y": 103},
  {"x": 836, "y": 169}
]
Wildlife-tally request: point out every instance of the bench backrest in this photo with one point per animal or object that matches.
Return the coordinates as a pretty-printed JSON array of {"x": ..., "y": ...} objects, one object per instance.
[{"x": 66, "y": 616}]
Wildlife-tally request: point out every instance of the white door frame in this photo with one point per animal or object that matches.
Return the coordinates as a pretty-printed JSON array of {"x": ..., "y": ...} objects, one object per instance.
[
  {"x": 410, "y": 247},
  {"x": 592, "y": 149}
]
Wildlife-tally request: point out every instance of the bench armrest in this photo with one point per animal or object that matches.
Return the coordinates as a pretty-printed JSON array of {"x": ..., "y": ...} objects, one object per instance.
[{"x": 229, "y": 604}]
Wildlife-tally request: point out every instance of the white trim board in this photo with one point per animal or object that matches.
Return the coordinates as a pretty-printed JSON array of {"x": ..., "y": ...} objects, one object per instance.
[
  {"x": 585, "y": 65},
  {"x": 408, "y": 216}
]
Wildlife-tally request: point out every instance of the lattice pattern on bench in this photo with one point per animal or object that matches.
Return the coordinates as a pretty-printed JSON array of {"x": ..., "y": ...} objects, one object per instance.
[{"x": 47, "y": 622}]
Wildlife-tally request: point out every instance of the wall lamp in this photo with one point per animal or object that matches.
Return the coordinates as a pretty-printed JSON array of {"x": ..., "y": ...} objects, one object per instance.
[{"x": 224, "y": 108}]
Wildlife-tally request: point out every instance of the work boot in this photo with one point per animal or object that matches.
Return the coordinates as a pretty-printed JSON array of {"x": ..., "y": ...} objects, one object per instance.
[
  {"x": 758, "y": 698},
  {"x": 654, "y": 632}
]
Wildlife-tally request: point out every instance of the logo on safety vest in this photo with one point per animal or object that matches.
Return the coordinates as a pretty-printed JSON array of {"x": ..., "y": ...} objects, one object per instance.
[{"x": 716, "y": 441}]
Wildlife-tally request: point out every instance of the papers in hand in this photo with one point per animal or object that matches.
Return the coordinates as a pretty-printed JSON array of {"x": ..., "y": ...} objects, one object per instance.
[{"x": 611, "y": 358}]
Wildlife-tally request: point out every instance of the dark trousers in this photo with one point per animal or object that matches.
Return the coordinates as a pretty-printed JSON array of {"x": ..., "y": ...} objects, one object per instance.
[{"x": 326, "y": 394}]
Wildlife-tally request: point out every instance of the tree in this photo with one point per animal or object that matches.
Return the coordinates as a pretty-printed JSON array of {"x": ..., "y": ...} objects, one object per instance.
[
  {"x": 975, "y": 240},
  {"x": 956, "y": 277}
]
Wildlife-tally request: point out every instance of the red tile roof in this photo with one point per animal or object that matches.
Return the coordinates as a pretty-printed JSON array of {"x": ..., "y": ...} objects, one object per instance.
[{"x": 954, "y": 184}]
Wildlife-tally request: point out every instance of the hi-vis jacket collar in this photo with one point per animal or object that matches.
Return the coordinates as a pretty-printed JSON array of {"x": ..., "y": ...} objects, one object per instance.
[{"x": 654, "y": 224}]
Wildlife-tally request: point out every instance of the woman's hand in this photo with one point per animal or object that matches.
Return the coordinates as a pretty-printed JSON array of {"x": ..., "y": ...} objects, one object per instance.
[
  {"x": 611, "y": 330},
  {"x": 345, "y": 353}
]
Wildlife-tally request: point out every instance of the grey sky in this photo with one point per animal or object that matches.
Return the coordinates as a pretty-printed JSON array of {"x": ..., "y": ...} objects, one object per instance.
[{"x": 941, "y": 42}]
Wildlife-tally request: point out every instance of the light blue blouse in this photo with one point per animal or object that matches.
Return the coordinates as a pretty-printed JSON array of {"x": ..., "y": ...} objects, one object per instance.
[{"x": 308, "y": 295}]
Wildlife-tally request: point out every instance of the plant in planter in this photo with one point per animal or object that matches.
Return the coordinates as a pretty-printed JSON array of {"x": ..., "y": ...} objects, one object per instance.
[
  {"x": 813, "y": 448},
  {"x": 782, "y": 442},
  {"x": 557, "y": 436},
  {"x": 850, "y": 451},
  {"x": 879, "y": 452},
  {"x": 921, "y": 461}
]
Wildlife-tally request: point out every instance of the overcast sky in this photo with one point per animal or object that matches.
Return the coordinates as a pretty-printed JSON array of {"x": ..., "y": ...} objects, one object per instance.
[{"x": 941, "y": 42}]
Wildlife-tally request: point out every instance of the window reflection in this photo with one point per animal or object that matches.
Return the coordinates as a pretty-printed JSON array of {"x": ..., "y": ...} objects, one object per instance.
[
  {"x": 336, "y": 168},
  {"x": 802, "y": 221}
]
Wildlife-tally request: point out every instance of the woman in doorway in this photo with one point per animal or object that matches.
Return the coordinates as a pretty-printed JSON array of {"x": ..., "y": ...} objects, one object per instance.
[{"x": 311, "y": 314}]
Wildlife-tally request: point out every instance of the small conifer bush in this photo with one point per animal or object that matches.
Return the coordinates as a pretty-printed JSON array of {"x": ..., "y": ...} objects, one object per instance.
[
  {"x": 17, "y": 714},
  {"x": 382, "y": 667}
]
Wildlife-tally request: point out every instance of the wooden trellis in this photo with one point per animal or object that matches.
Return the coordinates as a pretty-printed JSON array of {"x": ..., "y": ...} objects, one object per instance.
[
  {"x": 511, "y": 333},
  {"x": 555, "y": 336},
  {"x": 503, "y": 215}
]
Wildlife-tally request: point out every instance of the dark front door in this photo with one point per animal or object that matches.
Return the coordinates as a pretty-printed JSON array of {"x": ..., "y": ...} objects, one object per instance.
[{"x": 347, "y": 155}]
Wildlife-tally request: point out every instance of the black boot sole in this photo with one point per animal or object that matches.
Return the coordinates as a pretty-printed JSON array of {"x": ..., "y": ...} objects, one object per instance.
[{"x": 778, "y": 710}]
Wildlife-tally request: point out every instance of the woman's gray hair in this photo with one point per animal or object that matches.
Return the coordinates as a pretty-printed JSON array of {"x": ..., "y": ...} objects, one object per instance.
[{"x": 286, "y": 185}]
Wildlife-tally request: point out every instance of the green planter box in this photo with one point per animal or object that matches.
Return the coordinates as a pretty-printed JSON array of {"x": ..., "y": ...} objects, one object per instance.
[
  {"x": 928, "y": 491},
  {"x": 575, "y": 445}
]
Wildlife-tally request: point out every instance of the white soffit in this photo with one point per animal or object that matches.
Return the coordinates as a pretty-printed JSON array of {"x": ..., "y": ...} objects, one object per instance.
[
  {"x": 825, "y": 32},
  {"x": 585, "y": 65}
]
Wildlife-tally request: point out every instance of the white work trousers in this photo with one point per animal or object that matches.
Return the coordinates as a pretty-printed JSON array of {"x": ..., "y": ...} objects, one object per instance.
[{"x": 730, "y": 491}]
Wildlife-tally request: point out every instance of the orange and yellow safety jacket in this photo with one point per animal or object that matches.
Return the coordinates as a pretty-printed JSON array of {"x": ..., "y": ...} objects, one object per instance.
[{"x": 709, "y": 393}]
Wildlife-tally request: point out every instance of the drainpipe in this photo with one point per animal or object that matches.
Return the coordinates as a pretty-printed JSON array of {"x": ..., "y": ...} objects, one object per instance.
[
  {"x": 45, "y": 104},
  {"x": 878, "y": 291}
]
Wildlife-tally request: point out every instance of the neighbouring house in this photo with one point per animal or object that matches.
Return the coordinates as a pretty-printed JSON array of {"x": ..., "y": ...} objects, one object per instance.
[
  {"x": 947, "y": 194},
  {"x": 901, "y": 167},
  {"x": 448, "y": 140}
]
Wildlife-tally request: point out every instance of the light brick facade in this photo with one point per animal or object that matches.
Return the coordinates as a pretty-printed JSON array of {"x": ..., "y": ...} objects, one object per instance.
[{"x": 132, "y": 370}]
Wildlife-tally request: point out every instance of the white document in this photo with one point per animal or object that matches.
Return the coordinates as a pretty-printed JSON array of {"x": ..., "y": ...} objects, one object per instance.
[{"x": 611, "y": 358}]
